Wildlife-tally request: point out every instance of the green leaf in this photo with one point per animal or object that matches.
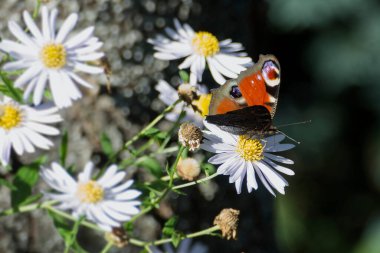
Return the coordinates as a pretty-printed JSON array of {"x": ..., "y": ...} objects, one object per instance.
[
  {"x": 10, "y": 90},
  {"x": 26, "y": 178},
  {"x": 67, "y": 232},
  {"x": 151, "y": 132},
  {"x": 7, "y": 184},
  {"x": 62, "y": 225},
  {"x": 155, "y": 133},
  {"x": 169, "y": 227},
  {"x": 106, "y": 144},
  {"x": 63, "y": 148},
  {"x": 151, "y": 164},
  {"x": 208, "y": 168},
  {"x": 184, "y": 76},
  {"x": 176, "y": 239}
]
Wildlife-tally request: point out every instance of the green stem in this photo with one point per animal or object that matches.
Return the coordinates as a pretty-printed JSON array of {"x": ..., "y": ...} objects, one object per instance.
[
  {"x": 36, "y": 9},
  {"x": 165, "y": 192},
  {"x": 140, "y": 134},
  {"x": 69, "y": 217},
  {"x": 150, "y": 125},
  {"x": 106, "y": 248},
  {"x": 48, "y": 205},
  {"x": 195, "y": 182},
  {"x": 207, "y": 231},
  {"x": 27, "y": 208}
]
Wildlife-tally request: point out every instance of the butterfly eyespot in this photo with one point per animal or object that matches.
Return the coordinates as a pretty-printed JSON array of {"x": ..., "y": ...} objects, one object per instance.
[
  {"x": 235, "y": 92},
  {"x": 271, "y": 73}
]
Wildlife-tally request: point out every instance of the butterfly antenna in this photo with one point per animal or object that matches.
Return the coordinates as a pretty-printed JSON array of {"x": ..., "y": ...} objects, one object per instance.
[
  {"x": 290, "y": 138},
  {"x": 296, "y": 123}
]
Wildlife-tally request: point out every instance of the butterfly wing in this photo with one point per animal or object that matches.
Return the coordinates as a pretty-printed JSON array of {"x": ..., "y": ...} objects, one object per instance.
[
  {"x": 252, "y": 119},
  {"x": 257, "y": 87}
]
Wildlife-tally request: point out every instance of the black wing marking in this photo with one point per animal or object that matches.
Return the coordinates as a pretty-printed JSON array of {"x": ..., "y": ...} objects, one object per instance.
[{"x": 251, "y": 119}]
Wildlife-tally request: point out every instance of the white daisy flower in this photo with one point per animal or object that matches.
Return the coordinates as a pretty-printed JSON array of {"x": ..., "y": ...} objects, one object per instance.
[
  {"x": 224, "y": 58},
  {"x": 23, "y": 127},
  {"x": 51, "y": 57},
  {"x": 168, "y": 95},
  {"x": 239, "y": 156},
  {"x": 184, "y": 247},
  {"x": 107, "y": 201}
]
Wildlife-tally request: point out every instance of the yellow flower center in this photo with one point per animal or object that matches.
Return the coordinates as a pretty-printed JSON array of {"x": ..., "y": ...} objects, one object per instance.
[
  {"x": 203, "y": 103},
  {"x": 90, "y": 192},
  {"x": 250, "y": 149},
  {"x": 205, "y": 44},
  {"x": 10, "y": 116},
  {"x": 53, "y": 56}
]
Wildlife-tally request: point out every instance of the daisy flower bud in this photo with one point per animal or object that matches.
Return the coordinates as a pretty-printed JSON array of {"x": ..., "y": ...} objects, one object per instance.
[
  {"x": 190, "y": 136},
  {"x": 228, "y": 220},
  {"x": 188, "y": 169},
  {"x": 118, "y": 237},
  {"x": 187, "y": 92}
]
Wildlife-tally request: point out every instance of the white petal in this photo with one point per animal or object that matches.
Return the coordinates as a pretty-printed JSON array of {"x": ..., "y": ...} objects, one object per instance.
[
  {"x": 279, "y": 147},
  {"x": 40, "y": 87},
  {"x": 32, "y": 27},
  {"x": 275, "y": 180},
  {"x": 215, "y": 74},
  {"x": 43, "y": 129},
  {"x": 45, "y": 23},
  {"x": 116, "y": 179},
  {"x": 221, "y": 158},
  {"x": 80, "y": 38},
  {"x": 21, "y": 35},
  {"x": 30, "y": 73},
  {"x": 87, "y": 171},
  {"x": 188, "y": 62},
  {"x": 88, "y": 69},
  {"x": 110, "y": 172},
  {"x": 128, "y": 195},
  {"x": 278, "y": 158},
  {"x": 67, "y": 26},
  {"x": 279, "y": 168},
  {"x": 79, "y": 80},
  {"x": 251, "y": 177}
]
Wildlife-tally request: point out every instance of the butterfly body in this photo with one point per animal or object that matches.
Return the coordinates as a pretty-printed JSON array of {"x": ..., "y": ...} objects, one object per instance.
[{"x": 246, "y": 105}]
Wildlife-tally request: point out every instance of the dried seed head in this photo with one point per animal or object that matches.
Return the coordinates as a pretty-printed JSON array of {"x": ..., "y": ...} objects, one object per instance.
[
  {"x": 228, "y": 220},
  {"x": 190, "y": 136},
  {"x": 188, "y": 169},
  {"x": 118, "y": 237},
  {"x": 187, "y": 93}
]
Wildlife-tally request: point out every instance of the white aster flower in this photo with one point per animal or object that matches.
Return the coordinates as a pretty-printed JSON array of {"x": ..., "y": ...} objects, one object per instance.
[
  {"x": 239, "y": 157},
  {"x": 224, "y": 58},
  {"x": 107, "y": 201},
  {"x": 184, "y": 247},
  {"x": 51, "y": 57},
  {"x": 23, "y": 127},
  {"x": 168, "y": 95}
]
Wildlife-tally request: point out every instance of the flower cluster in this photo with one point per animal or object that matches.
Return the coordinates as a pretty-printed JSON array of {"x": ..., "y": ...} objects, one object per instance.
[
  {"x": 40, "y": 75},
  {"x": 49, "y": 59},
  {"x": 239, "y": 157}
]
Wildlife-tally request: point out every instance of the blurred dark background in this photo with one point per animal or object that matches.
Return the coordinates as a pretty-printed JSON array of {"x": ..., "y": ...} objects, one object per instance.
[{"x": 329, "y": 54}]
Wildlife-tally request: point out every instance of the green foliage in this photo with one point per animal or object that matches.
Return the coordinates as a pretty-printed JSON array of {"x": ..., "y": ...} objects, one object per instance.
[
  {"x": 151, "y": 164},
  {"x": 169, "y": 227},
  {"x": 67, "y": 232},
  {"x": 63, "y": 148},
  {"x": 184, "y": 76},
  {"x": 156, "y": 134},
  {"x": 7, "y": 184},
  {"x": 106, "y": 145},
  {"x": 26, "y": 177},
  {"x": 8, "y": 89}
]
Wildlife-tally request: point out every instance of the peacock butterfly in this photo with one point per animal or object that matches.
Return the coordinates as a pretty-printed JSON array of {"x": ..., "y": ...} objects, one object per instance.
[{"x": 246, "y": 105}]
